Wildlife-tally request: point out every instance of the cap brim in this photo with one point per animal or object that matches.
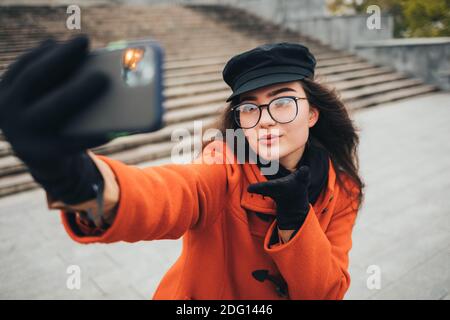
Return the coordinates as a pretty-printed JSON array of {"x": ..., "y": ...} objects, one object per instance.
[{"x": 265, "y": 81}]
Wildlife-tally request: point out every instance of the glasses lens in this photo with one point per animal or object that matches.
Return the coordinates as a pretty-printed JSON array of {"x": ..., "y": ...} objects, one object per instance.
[
  {"x": 247, "y": 115},
  {"x": 283, "y": 110}
]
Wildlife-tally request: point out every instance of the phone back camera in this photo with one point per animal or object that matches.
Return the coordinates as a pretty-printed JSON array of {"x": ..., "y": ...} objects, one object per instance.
[{"x": 138, "y": 67}]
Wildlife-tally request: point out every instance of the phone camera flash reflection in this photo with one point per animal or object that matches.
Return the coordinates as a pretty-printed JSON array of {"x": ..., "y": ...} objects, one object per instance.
[
  {"x": 131, "y": 57},
  {"x": 137, "y": 66}
]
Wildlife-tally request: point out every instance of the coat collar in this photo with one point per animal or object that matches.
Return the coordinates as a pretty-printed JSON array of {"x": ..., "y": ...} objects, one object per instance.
[{"x": 263, "y": 204}]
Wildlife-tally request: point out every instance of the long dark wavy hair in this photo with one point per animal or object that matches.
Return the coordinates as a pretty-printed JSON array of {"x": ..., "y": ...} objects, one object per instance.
[{"x": 334, "y": 130}]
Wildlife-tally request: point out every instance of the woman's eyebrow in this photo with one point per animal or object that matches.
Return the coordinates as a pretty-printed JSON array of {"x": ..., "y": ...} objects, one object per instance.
[
  {"x": 271, "y": 94},
  {"x": 275, "y": 92}
]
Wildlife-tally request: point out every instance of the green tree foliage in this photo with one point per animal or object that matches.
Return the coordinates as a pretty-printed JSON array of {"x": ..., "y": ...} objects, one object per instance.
[{"x": 412, "y": 18}]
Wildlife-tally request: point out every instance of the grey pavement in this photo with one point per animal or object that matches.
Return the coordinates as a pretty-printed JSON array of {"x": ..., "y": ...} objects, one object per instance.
[
  {"x": 402, "y": 230},
  {"x": 403, "y": 227}
]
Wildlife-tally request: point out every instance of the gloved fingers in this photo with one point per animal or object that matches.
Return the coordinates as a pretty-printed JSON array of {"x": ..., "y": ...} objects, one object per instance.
[
  {"x": 25, "y": 59},
  {"x": 57, "y": 108},
  {"x": 51, "y": 68},
  {"x": 41, "y": 150},
  {"x": 35, "y": 150},
  {"x": 268, "y": 188}
]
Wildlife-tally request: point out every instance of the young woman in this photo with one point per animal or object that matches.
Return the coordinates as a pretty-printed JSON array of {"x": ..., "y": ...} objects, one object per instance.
[{"x": 247, "y": 233}]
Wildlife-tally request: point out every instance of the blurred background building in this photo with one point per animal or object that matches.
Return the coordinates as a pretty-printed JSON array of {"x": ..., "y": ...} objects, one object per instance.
[{"x": 391, "y": 68}]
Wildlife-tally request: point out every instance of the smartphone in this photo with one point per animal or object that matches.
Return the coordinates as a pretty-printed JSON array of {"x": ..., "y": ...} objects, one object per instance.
[{"x": 134, "y": 101}]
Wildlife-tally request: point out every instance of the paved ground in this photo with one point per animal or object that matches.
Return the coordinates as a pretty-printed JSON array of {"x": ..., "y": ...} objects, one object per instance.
[
  {"x": 404, "y": 225},
  {"x": 402, "y": 231}
]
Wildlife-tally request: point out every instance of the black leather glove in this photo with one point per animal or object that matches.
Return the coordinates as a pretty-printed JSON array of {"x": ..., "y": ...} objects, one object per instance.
[
  {"x": 39, "y": 94},
  {"x": 290, "y": 194}
]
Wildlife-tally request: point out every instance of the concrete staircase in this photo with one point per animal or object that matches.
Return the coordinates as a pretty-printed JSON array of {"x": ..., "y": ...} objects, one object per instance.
[{"x": 198, "y": 41}]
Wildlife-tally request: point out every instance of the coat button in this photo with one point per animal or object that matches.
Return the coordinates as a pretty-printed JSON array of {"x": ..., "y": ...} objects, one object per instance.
[
  {"x": 331, "y": 198},
  {"x": 280, "y": 284},
  {"x": 325, "y": 210}
]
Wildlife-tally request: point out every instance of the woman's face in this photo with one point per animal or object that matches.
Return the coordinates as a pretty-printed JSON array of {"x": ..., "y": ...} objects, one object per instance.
[{"x": 284, "y": 142}]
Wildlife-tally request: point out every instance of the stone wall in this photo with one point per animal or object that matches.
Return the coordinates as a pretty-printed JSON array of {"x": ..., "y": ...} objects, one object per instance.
[
  {"x": 344, "y": 32},
  {"x": 427, "y": 58}
]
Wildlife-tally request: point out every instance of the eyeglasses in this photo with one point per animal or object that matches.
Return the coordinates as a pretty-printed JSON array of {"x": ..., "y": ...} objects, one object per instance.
[{"x": 281, "y": 110}]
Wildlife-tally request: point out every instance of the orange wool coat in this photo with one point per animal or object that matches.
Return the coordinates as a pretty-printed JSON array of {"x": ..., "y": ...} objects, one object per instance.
[{"x": 224, "y": 241}]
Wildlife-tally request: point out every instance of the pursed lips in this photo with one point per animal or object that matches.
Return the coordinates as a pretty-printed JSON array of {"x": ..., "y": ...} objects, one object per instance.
[{"x": 269, "y": 138}]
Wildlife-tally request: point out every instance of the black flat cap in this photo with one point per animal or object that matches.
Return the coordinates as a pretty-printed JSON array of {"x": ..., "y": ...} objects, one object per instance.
[{"x": 266, "y": 65}]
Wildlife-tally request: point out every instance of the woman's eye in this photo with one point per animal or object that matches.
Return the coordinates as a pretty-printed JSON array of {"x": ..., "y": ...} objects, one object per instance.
[
  {"x": 248, "y": 108},
  {"x": 281, "y": 103}
]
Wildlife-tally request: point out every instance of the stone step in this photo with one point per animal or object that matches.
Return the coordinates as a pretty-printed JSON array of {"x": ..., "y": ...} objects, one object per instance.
[
  {"x": 10, "y": 165},
  {"x": 353, "y": 94},
  {"x": 367, "y": 81},
  {"x": 193, "y": 113},
  {"x": 199, "y": 79},
  {"x": 217, "y": 84},
  {"x": 17, "y": 183},
  {"x": 227, "y": 53},
  {"x": 189, "y": 64},
  {"x": 5, "y": 148},
  {"x": 218, "y": 69},
  {"x": 393, "y": 95},
  {"x": 351, "y": 75},
  {"x": 184, "y": 102}
]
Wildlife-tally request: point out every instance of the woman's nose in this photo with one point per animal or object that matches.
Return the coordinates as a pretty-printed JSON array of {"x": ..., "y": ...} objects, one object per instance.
[{"x": 266, "y": 119}]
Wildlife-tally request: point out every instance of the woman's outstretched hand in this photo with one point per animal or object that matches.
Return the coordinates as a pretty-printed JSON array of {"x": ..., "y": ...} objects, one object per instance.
[
  {"x": 39, "y": 94},
  {"x": 290, "y": 194}
]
